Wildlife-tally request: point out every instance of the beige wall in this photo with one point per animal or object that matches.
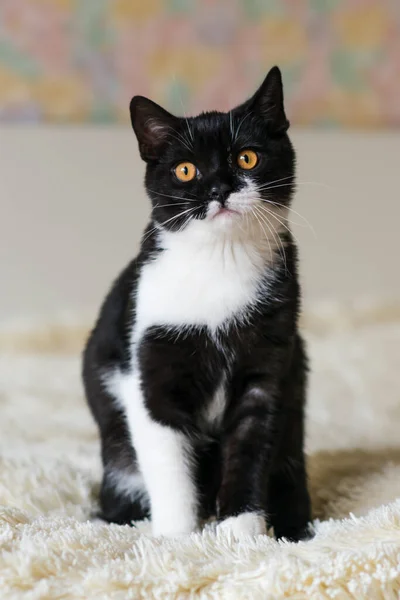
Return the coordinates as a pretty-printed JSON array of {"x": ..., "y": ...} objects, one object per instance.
[{"x": 73, "y": 207}]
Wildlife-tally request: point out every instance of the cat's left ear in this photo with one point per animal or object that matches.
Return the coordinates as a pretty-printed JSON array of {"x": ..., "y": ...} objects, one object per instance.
[
  {"x": 152, "y": 125},
  {"x": 268, "y": 101}
]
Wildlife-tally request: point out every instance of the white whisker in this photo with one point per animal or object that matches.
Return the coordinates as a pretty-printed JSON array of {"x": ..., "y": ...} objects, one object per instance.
[
  {"x": 158, "y": 225},
  {"x": 170, "y": 205},
  {"x": 270, "y": 212},
  {"x": 286, "y": 218},
  {"x": 240, "y": 124},
  {"x": 149, "y": 233},
  {"x": 169, "y": 196},
  {"x": 184, "y": 212},
  {"x": 273, "y": 187},
  {"x": 184, "y": 114},
  {"x": 231, "y": 124},
  {"x": 273, "y": 203},
  {"x": 277, "y": 239},
  {"x": 180, "y": 138},
  {"x": 276, "y": 181},
  {"x": 269, "y": 186},
  {"x": 265, "y": 233}
]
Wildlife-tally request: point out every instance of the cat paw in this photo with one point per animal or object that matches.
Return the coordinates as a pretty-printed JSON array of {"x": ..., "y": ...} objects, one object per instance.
[
  {"x": 173, "y": 533},
  {"x": 174, "y": 528},
  {"x": 294, "y": 534},
  {"x": 243, "y": 525}
]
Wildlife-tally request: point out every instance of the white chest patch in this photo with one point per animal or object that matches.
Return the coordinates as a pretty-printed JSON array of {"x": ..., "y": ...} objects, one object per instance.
[{"x": 199, "y": 279}]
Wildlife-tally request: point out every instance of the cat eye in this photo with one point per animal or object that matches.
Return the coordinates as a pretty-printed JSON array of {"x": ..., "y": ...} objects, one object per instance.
[
  {"x": 185, "y": 171},
  {"x": 247, "y": 159}
]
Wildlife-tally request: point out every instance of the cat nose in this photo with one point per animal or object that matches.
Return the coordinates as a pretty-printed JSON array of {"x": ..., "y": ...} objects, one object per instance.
[{"x": 220, "y": 193}]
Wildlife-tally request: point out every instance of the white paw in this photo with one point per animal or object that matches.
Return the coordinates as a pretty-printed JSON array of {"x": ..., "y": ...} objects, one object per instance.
[
  {"x": 244, "y": 525},
  {"x": 173, "y": 529}
]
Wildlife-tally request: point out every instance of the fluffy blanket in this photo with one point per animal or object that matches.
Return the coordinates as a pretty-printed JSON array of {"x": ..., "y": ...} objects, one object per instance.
[{"x": 50, "y": 472}]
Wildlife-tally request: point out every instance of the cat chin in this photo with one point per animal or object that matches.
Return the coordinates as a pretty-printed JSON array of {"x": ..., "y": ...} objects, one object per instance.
[
  {"x": 224, "y": 225},
  {"x": 224, "y": 217},
  {"x": 225, "y": 220}
]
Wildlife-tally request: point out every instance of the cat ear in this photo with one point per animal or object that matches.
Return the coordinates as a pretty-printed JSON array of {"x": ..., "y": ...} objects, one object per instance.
[
  {"x": 268, "y": 101},
  {"x": 152, "y": 126}
]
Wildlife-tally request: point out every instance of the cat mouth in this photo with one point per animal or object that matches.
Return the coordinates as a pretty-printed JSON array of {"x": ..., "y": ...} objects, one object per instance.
[{"x": 224, "y": 211}]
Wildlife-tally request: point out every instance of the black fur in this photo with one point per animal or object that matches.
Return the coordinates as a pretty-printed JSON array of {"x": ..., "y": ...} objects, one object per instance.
[{"x": 254, "y": 460}]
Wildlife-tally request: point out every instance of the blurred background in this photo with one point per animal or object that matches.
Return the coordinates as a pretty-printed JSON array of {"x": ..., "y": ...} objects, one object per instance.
[{"x": 71, "y": 194}]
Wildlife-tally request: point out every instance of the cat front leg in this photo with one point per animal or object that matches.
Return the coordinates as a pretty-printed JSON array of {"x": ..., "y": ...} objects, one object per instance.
[
  {"x": 165, "y": 460},
  {"x": 288, "y": 497},
  {"x": 249, "y": 444}
]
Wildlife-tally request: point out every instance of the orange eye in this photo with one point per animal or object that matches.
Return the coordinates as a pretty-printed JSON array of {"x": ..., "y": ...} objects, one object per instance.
[
  {"x": 185, "y": 171},
  {"x": 247, "y": 159}
]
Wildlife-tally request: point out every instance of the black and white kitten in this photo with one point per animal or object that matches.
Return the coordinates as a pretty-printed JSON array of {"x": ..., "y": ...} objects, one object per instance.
[{"x": 195, "y": 371}]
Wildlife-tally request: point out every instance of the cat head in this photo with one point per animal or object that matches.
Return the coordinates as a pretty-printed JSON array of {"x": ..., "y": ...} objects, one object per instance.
[{"x": 222, "y": 169}]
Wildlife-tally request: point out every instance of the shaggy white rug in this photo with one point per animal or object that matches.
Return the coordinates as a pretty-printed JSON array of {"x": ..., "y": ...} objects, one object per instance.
[{"x": 49, "y": 476}]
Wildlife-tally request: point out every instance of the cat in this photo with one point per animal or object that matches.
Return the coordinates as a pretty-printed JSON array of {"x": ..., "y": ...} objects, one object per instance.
[{"x": 195, "y": 371}]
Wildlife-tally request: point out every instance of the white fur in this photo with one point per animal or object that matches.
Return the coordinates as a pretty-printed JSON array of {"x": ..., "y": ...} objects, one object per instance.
[
  {"x": 216, "y": 408},
  {"x": 244, "y": 525},
  {"x": 129, "y": 484}
]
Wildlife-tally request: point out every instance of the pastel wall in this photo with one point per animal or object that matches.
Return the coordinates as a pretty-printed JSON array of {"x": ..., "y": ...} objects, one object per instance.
[{"x": 82, "y": 60}]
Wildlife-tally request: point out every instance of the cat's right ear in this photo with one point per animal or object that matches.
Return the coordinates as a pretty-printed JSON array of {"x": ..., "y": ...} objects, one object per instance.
[{"x": 152, "y": 126}]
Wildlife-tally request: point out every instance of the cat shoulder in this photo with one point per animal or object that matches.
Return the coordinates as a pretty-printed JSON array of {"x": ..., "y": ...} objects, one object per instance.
[{"x": 109, "y": 340}]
